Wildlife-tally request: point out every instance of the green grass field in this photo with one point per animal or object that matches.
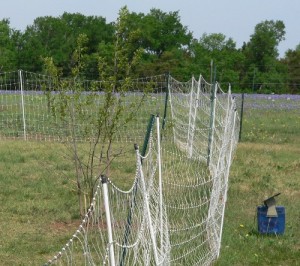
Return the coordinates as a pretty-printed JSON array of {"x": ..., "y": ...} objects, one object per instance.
[
  {"x": 39, "y": 209},
  {"x": 266, "y": 162}
]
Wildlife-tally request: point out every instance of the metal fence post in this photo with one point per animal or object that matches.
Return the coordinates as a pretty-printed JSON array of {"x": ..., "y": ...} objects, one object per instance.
[
  {"x": 242, "y": 113},
  {"x": 108, "y": 220},
  {"x": 21, "y": 85}
]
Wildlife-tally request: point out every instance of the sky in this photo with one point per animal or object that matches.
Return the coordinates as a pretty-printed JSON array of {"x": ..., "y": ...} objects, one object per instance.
[{"x": 233, "y": 18}]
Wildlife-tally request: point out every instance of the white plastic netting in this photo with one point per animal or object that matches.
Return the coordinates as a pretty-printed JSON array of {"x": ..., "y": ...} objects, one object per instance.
[{"x": 173, "y": 213}]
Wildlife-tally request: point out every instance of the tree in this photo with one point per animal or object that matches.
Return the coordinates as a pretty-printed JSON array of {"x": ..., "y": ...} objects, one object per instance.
[
  {"x": 97, "y": 31},
  {"x": 292, "y": 61},
  {"x": 222, "y": 51},
  {"x": 56, "y": 37},
  {"x": 263, "y": 44},
  {"x": 8, "y": 55},
  {"x": 261, "y": 53},
  {"x": 110, "y": 112},
  {"x": 41, "y": 40},
  {"x": 164, "y": 32},
  {"x": 216, "y": 42},
  {"x": 160, "y": 35}
]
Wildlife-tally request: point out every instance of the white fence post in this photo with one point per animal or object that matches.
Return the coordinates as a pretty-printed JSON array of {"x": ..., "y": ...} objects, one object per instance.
[
  {"x": 108, "y": 221},
  {"x": 190, "y": 118},
  {"x": 148, "y": 211},
  {"x": 212, "y": 123},
  {"x": 193, "y": 116},
  {"x": 232, "y": 142},
  {"x": 22, "y": 102},
  {"x": 160, "y": 181}
]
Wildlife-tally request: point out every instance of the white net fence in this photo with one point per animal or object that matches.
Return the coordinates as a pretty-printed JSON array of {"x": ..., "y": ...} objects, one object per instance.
[
  {"x": 173, "y": 212},
  {"x": 123, "y": 227},
  {"x": 33, "y": 107}
]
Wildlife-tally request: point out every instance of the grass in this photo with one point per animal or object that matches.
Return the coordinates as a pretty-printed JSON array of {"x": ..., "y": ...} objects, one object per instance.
[
  {"x": 37, "y": 205},
  {"x": 266, "y": 162},
  {"x": 39, "y": 209}
]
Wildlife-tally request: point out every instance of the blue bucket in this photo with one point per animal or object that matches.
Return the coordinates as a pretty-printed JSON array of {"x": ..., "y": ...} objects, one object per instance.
[{"x": 270, "y": 225}]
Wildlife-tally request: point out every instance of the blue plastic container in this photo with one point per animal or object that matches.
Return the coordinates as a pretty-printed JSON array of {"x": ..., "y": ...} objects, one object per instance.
[{"x": 270, "y": 225}]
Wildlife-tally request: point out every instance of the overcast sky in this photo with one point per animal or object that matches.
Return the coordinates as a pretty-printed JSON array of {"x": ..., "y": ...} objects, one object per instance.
[{"x": 233, "y": 18}]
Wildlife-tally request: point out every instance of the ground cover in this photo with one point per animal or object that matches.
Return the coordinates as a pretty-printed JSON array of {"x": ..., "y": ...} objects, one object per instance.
[
  {"x": 266, "y": 162},
  {"x": 39, "y": 209}
]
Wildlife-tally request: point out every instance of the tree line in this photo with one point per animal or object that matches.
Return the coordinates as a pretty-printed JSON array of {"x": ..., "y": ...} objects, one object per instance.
[{"x": 163, "y": 45}]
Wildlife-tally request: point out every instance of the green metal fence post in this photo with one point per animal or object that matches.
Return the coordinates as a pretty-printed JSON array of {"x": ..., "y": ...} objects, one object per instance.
[
  {"x": 132, "y": 204},
  {"x": 166, "y": 101},
  {"x": 242, "y": 114}
]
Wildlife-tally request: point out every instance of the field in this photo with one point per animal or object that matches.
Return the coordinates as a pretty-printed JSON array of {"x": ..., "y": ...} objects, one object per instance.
[
  {"x": 266, "y": 162},
  {"x": 39, "y": 209}
]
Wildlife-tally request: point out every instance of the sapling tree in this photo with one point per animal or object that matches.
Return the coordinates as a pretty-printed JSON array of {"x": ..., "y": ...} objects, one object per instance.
[{"x": 96, "y": 113}]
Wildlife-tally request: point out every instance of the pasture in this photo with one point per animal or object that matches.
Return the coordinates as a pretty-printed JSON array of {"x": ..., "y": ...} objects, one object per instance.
[
  {"x": 39, "y": 208},
  {"x": 266, "y": 162}
]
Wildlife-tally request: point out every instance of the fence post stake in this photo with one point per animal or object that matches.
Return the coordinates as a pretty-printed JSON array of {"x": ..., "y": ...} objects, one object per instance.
[
  {"x": 147, "y": 207},
  {"x": 242, "y": 113},
  {"x": 132, "y": 205},
  {"x": 212, "y": 122},
  {"x": 160, "y": 181},
  {"x": 192, "y": 118},
  {"x": 21, "y": 85},
  {"x": 108, "y": 220},
  {"x": 166, "y": 101},
  {"x": 226, "y": 183}
]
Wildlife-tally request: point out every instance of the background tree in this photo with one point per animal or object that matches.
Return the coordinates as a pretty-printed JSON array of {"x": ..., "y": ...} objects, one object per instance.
[
  {"x": 164, "y": 32},
  {"x": 56, "y": 37},
  {"x": 262, "y": 49},
  {"x": 40, "y": 40},
  {"x": 292, "y": 62},
  {"x": 166, "y": 41},
  {"x": 161, "y": 36},
  {"x": 222, "y": 52},
  {"x": 167, "y": 45},
  {"x": 261, "y": 54},
  {"x": 8, "y": 52}
]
